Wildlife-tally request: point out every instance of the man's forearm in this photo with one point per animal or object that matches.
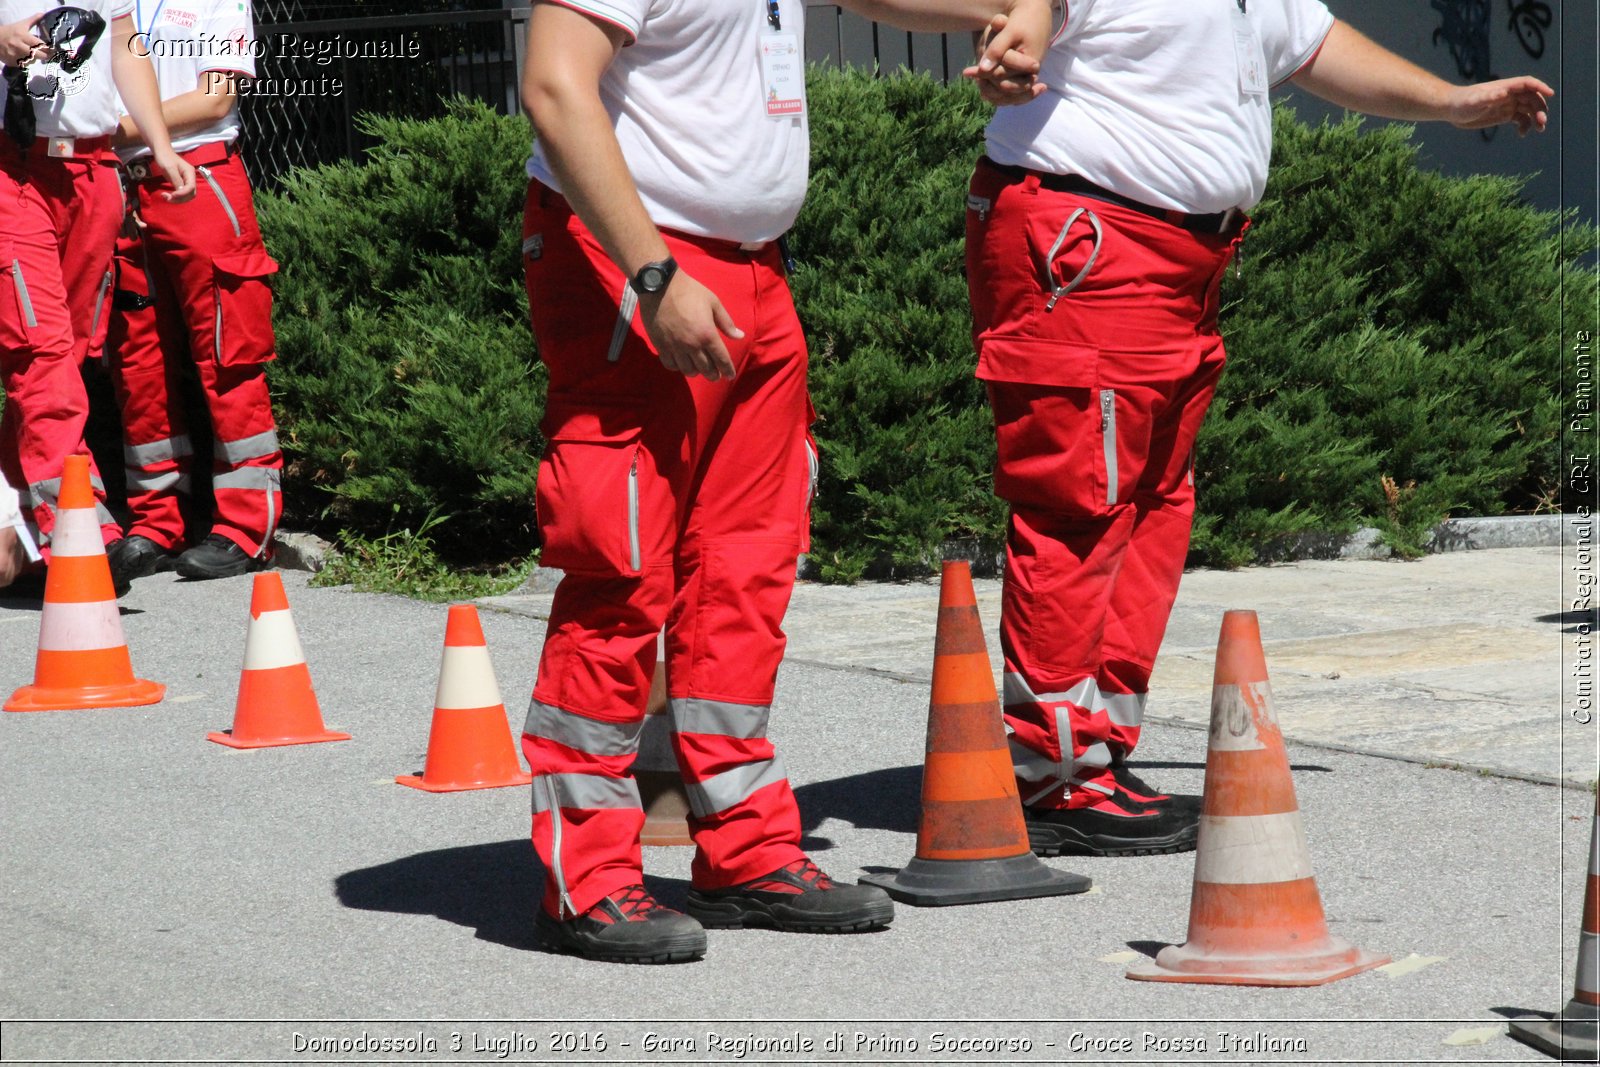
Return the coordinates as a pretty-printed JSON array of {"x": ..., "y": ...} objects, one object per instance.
[
  {"x": 938, "y": 16},
  {"x": 187, "y": 112},
  {"x": 1357, "y": 73},
  {"x": 136, "y": 84}
]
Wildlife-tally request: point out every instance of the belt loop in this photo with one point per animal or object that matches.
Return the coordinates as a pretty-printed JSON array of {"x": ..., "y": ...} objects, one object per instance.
[{"x": 1030, "y": 184}]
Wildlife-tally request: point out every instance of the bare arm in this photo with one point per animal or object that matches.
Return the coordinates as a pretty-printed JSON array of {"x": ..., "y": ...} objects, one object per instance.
[
  {"x": 1357, "y": 73},
  {"x": 17, "y": 39},
  {"x": 211, "y": 100},
  {"x": 136, "y": 82},
  {"x": 568, "y": 52}
]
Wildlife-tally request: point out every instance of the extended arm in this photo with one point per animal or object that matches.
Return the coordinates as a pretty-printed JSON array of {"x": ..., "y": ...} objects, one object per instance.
[
  {"x": 567, "y": 54},
  {"x": 1355, "y": 72},
  {"x": 209, "y": 101},
  {"x": 136, "y": 82}
]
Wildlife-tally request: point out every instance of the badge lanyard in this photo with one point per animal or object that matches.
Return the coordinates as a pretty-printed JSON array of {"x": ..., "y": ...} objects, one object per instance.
[
  {"x": 783, "y": 76},
  {"x": 1247, "y": 53}
]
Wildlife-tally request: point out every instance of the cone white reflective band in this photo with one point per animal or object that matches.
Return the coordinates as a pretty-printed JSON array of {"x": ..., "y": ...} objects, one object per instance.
[
  {"x": 1589, "y": 963},
  {"x": 723, "y": 791},
  {"x": 655, "y": 746},
  {"x": 466, "y": 679},
  {"x": 583, "y": 791},
  {"x": 255, "y": 447},
  {"x": 1233, "y": 723},
  {"x": 580, "y": 732},
  {"x": 1017, "y": 691},
  {"x": 80, "y": 627},
  {"x": 690, "y": 715},
  {"x": 77, "y": 533},
  {"x": 271, "y": 642},
  {"x": 163, "y": 451},
  {"x": 158, "y": 483},
  {"x": 1124, "y": 709},
  {"x": 1252, "y": 849},
  {"x": 263, "y": 478}
]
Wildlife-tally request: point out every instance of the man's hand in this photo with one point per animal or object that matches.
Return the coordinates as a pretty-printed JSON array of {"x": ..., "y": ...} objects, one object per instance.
[
  {"x": 18, "y": 41},
  {"x": 12, "y": 556},
  {"x": 686, "y": 323},
  {"x": 179, "y": 173},
  {"x": 1524, "y": 101},
  {"x": 1008, "y": 63}
]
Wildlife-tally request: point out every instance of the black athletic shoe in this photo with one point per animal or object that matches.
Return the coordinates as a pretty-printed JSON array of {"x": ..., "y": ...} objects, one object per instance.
[
  {"x": 797, "y": 898},
  {"x": 627, "y": 927},
  {"x": 217, "y": 557},
  {"x": 136, "y": 556},
  {"x": 1117, "y": 825}
]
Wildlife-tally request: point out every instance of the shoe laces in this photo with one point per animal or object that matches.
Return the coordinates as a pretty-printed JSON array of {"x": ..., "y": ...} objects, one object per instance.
[
  {"x": 801, "y": 876},
  {"x": 634, "y": 903},
  {"x": 1136, "y": 787}
]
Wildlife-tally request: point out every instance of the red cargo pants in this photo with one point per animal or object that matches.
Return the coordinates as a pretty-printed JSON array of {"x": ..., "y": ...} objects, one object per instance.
[
  {"x": 672, "y": 501},
  {"x": 1097, "y": 402}
]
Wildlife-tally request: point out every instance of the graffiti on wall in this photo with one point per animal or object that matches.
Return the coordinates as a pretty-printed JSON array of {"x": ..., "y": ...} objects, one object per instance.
[
  {"x": 1464, "y": 29},
  {"x": 1529, "y": 20}
]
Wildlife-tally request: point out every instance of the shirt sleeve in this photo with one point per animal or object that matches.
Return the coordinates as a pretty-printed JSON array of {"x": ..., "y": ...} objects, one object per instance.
[
  {"x": 118, "y": 8},
  {"x": 1306, "y": 26},
  {"x": 230, "y": 37},
  {"x": 626, "y": 15}
]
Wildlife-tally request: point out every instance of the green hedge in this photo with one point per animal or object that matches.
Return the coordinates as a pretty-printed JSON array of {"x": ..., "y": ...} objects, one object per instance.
[{"x": 1394, "y": 339}]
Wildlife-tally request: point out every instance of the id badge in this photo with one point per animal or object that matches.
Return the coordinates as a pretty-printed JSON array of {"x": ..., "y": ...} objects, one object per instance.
[
  {"x": 783, "y": 75},
  {"x": 1252, "y": 63}
]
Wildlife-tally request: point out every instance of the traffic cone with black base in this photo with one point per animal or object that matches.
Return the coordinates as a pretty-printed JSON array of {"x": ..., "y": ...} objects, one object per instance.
[
  {"x": 277, "y": 705},
  {"x": 1255, "y": 916},
  {"x": 83, "y": 658},
  {"x": 1572, "y": 1035},
  {"x": 972, "y": 845},
  {"x": 469, "y": 746}
]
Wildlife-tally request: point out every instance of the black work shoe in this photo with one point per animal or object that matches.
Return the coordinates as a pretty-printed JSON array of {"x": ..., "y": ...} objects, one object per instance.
[
  {"x": 1143, "y": 792},
  {"x": 1117, "y": 825},
  {"x": 135, "y": 556},
  {"x": 217, "y": 557},
  {"x": 798, "y": 898},
  {"x": 626, "y": 927}
]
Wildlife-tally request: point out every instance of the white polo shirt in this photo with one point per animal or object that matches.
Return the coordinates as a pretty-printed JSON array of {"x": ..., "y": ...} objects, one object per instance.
[
  {"x": 84, "y": 103},
  {"x": 689, "y": 102},
  {"x": 1164, "y": 101},
  {"x": 187, "y": 38}
]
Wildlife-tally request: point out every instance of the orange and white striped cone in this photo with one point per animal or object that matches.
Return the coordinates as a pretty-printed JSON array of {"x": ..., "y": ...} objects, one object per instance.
[
  {"x": 83, "y": 658},
  {"x": 277, "y": 705},
  {"x": 1255, "y": 916},
  {"x": 1573, "y": 1034},
  {"x": 972, "y": 844},
  {"x": 655, "y": 769},
  {"x": 469, "y": 746}
]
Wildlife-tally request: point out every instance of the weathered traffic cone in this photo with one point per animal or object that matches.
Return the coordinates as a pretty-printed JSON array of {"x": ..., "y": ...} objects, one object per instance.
[
  {"x": 655, "y": 769},
  {"x": 972, "y": 845},
  {"x": 469, "y": 746},
  {"x": 1255, "y": 916},
  {"x": 277, "y": 705},
  {"x": 83, "y": 658},
  {"x": 1572, "y": 1035}
]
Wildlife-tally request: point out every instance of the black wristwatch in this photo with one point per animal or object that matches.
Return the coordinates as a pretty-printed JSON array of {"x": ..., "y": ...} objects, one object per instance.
[{"x": 653, "y": 277}]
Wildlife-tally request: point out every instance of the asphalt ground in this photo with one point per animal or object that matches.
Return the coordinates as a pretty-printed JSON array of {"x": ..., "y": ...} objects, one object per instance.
[{"x": 166, "y": 899}]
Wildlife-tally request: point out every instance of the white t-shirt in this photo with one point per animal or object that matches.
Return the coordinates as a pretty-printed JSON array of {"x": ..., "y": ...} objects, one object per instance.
[
  {"x": 688, "y": 100},
  {"x": 1164, "y": 101},
  {"x": 187, "y": 38},
  {"x": 84, "y": 103}
]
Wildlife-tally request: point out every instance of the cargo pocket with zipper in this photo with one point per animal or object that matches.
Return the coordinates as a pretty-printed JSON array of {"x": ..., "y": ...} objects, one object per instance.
[
  {"x": 18, "y": 320},
  {"x": 242, "y": 327},
  {"x": 603, "y": 509}
]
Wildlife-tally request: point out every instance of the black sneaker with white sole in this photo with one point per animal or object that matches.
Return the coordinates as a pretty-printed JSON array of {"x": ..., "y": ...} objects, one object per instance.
[
  {"x": 798, "y": 898},
  {"x": 627, "y": 927},
  {"x": 217, "y": 557}
]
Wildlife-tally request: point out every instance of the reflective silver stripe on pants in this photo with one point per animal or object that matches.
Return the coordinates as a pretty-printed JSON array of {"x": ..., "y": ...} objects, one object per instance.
[
  {"x": 48, "y": 492},
  {"x": 1018, "y": 691},
  {"x": 1125, "y": 709},
  {"x": 627, "y": 305},
  {"x": 1108, "y": 435},
  {"x": 162, "y": 451},
  {"x": 222, "y": 198},
  {"x": 246, "y": 448},
  {"x": 174, "y": 481},
  {"x": 747, "y": 722},
  {"x": 584, "y": 792},
  {"x": 22, "y": 293},
  {"x": 99, "y": 304},
  {"x": 267, "y": 479},
  {"x": 733, "y": 787},
  {"x": 581, "y": 732}
]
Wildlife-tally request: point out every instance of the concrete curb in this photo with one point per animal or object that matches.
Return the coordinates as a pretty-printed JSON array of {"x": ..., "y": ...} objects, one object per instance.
[{"x": 294, "y": 551}]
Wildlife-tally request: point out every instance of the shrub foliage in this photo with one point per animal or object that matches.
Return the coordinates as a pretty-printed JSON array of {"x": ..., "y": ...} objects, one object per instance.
[{"x": 1394, "y": 336}]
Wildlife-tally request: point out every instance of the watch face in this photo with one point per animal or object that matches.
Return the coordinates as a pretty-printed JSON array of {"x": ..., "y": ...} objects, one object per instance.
[{"x": 651, "y": 279}]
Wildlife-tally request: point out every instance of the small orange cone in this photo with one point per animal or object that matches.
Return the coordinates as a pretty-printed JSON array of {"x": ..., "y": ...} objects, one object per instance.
[
  {"x": 1255, "y": 917},
  {"x": 972, "y": 845},
  {"x": 277, "y": 705},
  {"x": 661, "y": 793},
  {"x": 83, "y": 659},
  {"x": 1575, "y": 1033},
  {"x": 470, "y": 745}
]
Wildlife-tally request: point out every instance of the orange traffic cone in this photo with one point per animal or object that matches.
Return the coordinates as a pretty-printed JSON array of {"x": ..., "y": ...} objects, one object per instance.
[
  {"x": 470, "y": 745},
  {"x": 83, "y": 659},
  {"x": 277, "y": 705},
  {"x": 972, "y": 845},
  {"x": 1255, "y": 917},
  {"x": 1575, "y": 1033},
  {"x": 655, "y": 769}
]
